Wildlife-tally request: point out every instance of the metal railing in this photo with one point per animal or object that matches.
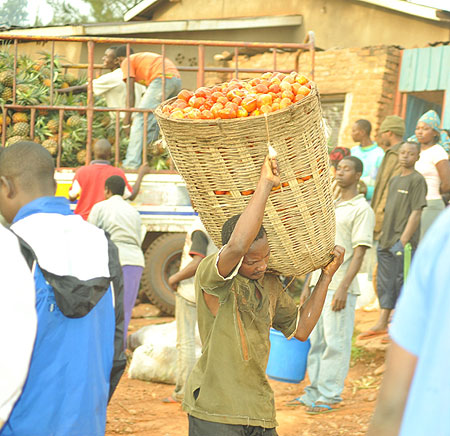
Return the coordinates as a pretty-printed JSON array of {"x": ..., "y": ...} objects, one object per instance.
[{"x": 90, "y": 109}]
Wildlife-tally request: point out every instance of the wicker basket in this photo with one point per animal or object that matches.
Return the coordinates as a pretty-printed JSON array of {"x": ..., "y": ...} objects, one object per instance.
[{"x": 220, "y": 161}]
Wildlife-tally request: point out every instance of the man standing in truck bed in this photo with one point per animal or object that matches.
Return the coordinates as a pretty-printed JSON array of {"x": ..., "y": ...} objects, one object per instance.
[{"x": 147, "y": 69}]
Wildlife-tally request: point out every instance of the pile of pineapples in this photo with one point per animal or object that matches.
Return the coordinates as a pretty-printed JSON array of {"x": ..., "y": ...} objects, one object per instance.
[{"x": 33, "y": 81}]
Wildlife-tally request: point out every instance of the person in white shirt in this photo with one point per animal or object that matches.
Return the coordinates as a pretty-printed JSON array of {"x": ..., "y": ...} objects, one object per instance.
[
  {"x": 197, "y": 246},
  {"x": 123, "y": 223},
  {"x": 17, "y": 307},
  {"x": 110, "y": 85},
  {"x": 433, "y": 164}
]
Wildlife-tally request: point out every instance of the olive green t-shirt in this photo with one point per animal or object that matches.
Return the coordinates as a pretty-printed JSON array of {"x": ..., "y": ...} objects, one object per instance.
[{"x": 228, "y": 383}]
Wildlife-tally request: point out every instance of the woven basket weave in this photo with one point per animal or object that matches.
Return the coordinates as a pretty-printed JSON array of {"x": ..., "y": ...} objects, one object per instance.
[{"x": 220, "y": 161}]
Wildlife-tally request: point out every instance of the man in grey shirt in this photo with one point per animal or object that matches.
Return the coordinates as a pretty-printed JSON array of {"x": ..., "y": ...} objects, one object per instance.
[{"x": 123, "y": 223}]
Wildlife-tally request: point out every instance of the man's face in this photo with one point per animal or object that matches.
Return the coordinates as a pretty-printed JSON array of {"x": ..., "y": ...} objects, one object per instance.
[
  {"x": 385, "y": 139},
  {"x": 357, "y": 133},
  {"x": 408, "y": 155},
  {"x": 255, "y": 261},
  {"x": 346, "y": 174},
  {"x": 109, "y": 60}
]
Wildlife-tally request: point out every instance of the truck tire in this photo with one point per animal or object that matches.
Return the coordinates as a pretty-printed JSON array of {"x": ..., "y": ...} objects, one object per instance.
[{"x": 162, "y": 259}]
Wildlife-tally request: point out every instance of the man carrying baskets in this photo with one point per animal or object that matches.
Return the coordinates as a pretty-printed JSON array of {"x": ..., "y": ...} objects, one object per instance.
[{"x": 237, "y": 303}]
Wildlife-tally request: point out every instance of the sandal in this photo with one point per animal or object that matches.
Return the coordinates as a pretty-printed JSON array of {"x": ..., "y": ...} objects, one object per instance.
[
  {"x": 369, "y": 334},
  {"x": 296, "y": 402},
  {"x": 326, "y": 409},
  {"x": 170, "y": 400}
]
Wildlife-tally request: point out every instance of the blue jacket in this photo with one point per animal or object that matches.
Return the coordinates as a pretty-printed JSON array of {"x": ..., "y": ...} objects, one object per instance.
[{"x": 78, "y": 356}]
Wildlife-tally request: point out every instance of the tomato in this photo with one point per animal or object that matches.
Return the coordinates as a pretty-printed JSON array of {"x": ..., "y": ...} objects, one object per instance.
[
  {"x": 242, "y": 112},
  {"x": 208, "y": 104},
  {"x": 232, "y": 106},
  {"x": 194, "y": 114},
  {"x": 216, "y": 95},
  {"x": 295, "y": 87},
  {"x": 274, "y": 87},
  {"x": 216, "y": 107},
  {"x": 288, "y": 94},
  {"x": 249, "y": 104},
  {"x": 261, "y": 89},
  {"x": 207, "y": 115},
  {"x": 266, "y": 108},
  {"x": 285, "y": 102},
  {"x": 227, "y": 113},
  {"x": 237, "y": 100},
  {"x": 264, "y": 99},
  {"x": 302, "y": 79},
  {"x": 185, "y": 95},
  {"x": 275, "y": 107},
  {"x": 196, "y": 102},
  {"x": 203, "y": 92},
  {"x": 285, "y": 86},
  {"x": 180, "y": 104},
  {"x": 304, "y": 90},
  {"x": 177, "y": 114},
  {"x": 255, "y": 113},
  {"x": 267, "y": 76},
  {"x": 255, "y": 82},
  {"x": 298, "y": 97},
  {"x": 222, "y": 100}
]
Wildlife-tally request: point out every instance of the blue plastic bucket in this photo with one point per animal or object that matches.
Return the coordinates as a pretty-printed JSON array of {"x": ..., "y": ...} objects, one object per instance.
[{"x": 287, "y": 358}]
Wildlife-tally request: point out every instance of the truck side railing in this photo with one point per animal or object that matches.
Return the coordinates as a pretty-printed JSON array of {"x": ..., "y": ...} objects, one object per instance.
[{"x": 90, "y": 109}]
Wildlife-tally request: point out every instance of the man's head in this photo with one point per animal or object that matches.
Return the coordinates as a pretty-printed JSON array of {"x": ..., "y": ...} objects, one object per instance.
[
  {"x": 361, "y": 130},
  {"x": 121, "y": 53},
  {"x": 392, "y": 130},
  {"x": 114, "y": 185},
  {"x": 110, "y": 59},
  {"x": 408, "y": 154},
  {"x": 349, "y": 171},
  {"x": 102, "y": 150},
  {"x": 255, "y": 261},
  {"x": 26, "y": 173}
]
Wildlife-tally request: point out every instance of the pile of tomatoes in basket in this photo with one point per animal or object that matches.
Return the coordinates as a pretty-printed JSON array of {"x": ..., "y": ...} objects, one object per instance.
[{"x": 240, "y": 98}]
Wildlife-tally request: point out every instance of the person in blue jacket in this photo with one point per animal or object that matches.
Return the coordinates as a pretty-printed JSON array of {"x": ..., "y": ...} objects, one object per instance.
[{"x": 77, "y": 357}]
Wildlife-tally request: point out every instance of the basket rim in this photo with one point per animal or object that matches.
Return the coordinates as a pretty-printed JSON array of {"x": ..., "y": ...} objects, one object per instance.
[{"x": 160, "y": 114}]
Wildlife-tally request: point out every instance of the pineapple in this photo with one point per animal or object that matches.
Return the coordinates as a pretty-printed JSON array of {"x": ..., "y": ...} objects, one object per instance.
[
  {"x": 15, "y": 139},
  {"x": 8, "y": 120},
  {"x": 51, "y": 145},
  {"x": 70, "y": 79},
  {"x": 20, "y": 117},
  {"x": 21, "y": 129},
  {"x": 7, "y": 78},
  {"x": 7, "y": 94},
  {"x": 74, "y": 121},
  {"x": 53, "y": 125},
  {"x": 81, "y": 156}
]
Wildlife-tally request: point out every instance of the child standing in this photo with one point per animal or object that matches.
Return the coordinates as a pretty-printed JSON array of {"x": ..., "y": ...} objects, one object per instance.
[
  {"x": 331, "y": 339},
  {"x": 405, "y": 201}
]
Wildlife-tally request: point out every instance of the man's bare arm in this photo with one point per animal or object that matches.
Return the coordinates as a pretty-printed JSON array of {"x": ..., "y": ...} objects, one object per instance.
[
  {"x": 250, "y": 221},
  {"x": 411, "y": 226},
  {"x": 400, "y": 367},
  {"x": 310, "y": 311}
]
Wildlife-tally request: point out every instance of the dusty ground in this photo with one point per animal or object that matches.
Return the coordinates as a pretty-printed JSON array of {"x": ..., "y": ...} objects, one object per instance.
[{"x": 136, "y": 407}]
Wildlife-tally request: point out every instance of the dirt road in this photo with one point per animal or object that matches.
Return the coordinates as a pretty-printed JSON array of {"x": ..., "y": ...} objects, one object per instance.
[{"x": 136, "y": 408}]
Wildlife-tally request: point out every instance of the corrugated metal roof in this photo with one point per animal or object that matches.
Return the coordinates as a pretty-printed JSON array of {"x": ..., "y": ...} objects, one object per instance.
[{"x": 425, "y": 69}]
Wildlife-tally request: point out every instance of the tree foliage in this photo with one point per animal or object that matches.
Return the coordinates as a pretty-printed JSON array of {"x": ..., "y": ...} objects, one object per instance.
[
  {"x": 99, "y": 11},
  {"x": 14, "y": 13}
]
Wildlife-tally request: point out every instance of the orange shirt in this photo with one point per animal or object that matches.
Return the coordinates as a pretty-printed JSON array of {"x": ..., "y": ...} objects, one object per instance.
[{"x": 146, "y": 66}]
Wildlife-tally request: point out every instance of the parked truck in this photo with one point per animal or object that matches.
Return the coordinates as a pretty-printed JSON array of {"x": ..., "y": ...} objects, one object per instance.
[{"x": 163, "y": 201}]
